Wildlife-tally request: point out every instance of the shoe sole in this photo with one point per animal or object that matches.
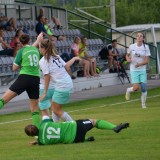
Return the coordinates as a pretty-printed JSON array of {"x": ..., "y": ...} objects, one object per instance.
[{"x": 120, "y": 127}]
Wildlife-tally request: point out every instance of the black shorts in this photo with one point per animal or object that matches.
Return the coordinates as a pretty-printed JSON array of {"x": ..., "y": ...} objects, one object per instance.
[
  {"x": 27, "y": 83},
  {"x": 83, "y": 126}
]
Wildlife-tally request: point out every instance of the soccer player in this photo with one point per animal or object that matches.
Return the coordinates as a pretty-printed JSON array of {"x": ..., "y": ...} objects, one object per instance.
[
  {"x": 27, "y": 60},
  {"x": 138, "y": 56},
  {"x": 68, "y": 132},
  {"x": 53, "y": 66}
]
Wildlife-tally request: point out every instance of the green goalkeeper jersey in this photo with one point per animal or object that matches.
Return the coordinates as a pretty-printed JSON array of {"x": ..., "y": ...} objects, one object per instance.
[
  {"x": 53, "y": 133},
  {"x": 28, "y": 59}
]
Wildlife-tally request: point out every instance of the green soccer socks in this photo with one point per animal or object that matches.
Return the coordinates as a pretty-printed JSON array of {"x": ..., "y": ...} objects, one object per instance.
[
  {"x": 102, "y": 124},
  {"x": 36, "y": 118},
  {"x": 2, "y": 102}
]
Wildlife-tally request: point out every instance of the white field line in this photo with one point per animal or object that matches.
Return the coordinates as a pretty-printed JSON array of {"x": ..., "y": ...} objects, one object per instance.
[{"x": 114, "y": 104}]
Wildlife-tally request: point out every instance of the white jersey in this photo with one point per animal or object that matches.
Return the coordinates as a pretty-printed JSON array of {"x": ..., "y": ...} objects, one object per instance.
[
  {"x": 138, "y": 54},
  {"x": 51, "y": 84},
  {"x": 55, "y": 67}
]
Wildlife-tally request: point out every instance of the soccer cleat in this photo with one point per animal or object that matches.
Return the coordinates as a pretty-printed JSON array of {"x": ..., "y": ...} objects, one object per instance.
[
  {"x": 90, "y": 139},
  {"x": 127, "y": 96},
  {"x": 118, "y": 128},
  {"x": 143, "y": 99},
  {"x": 144, "y": 106}
]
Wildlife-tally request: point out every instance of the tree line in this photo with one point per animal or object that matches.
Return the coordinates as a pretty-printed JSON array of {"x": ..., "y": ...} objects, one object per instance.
[{"x": 128, "y": 12}]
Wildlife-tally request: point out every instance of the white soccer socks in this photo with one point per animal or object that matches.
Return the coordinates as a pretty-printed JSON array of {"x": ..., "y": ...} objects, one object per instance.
[
  {"x": 66, "y": 117},
  {"x": 129, "y": 90},
  {"x": 143, "y": 96},
  {"x": 55, "y": 117},
  {"x": 143, "y": 99}
]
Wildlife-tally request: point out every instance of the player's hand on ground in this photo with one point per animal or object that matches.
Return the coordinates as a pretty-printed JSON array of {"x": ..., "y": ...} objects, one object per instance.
[{"x": 33, "y": 143}]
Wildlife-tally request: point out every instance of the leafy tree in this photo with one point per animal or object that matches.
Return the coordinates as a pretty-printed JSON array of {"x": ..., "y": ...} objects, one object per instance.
[{"x": 128, "y": 12}]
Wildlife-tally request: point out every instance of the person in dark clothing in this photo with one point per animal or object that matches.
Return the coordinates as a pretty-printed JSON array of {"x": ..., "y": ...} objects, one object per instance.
[{"x": 41, "y": 28}]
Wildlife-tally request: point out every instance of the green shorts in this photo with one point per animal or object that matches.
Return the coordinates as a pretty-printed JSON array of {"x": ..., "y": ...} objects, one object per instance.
[
  {"x": 46, "y": 102},
  {"x": 61, "y": 97},
  {"x": 138, "y": 77}
]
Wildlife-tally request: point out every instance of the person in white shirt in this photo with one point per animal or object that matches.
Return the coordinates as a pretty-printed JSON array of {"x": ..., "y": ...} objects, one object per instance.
[
  {"x": 138, "y": 55},
  {"x": 53, "y": 67}
]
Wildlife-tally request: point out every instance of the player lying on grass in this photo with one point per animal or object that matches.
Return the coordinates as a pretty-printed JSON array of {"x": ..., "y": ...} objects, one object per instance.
[{"x": 50, "y": 132}]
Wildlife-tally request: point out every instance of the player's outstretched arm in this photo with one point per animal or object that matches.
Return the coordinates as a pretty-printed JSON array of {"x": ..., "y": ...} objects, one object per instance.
[{"x": 39, "y": 39}]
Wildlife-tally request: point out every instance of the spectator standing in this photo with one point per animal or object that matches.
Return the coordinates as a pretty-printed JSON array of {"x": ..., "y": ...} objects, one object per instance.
[{"x": 138, "y": 56}]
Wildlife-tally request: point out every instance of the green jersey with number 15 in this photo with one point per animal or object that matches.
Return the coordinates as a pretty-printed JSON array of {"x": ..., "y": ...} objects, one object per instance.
[
  {"x": 53, "y": 133},
  {"x": 28, "y": 59}
]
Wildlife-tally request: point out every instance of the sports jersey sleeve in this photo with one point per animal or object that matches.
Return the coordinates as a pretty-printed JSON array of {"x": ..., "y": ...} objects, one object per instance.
[
  {"x": 44, "y": 66},
  {"x": 148, "y": 53},
  {"x": 18, "y": 58},
  {"x": 129, "y": 49}
]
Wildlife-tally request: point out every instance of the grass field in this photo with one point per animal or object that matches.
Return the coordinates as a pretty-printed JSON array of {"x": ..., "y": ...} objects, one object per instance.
[{"x": 141, "y": 141}]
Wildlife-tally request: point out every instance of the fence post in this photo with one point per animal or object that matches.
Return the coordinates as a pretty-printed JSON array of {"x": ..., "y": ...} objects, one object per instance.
[
  {"x": 157, "y": 55},
  {"x": 89, "y": 29}
]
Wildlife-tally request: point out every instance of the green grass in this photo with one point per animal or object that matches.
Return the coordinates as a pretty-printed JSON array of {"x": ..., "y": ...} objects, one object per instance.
[{"x": 139, "y": 142}]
